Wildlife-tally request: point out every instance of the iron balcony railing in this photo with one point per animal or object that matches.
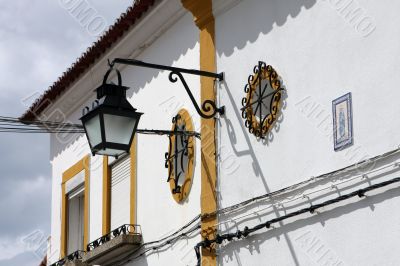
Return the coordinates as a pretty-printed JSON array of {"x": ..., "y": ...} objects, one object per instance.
[
  {"x": 77, "y": 255},
  {"x": 126, "y": 229}
]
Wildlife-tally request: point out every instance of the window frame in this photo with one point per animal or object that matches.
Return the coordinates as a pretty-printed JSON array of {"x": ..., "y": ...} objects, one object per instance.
[
  {"x": 106, "y": 227},
  {"x": 81, "y": 165}
]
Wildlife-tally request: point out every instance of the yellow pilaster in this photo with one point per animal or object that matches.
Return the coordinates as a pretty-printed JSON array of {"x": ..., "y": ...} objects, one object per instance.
[{"x": 204, "y": 20}]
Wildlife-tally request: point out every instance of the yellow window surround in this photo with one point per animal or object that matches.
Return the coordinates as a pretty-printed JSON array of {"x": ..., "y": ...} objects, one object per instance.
[{"x": 83, "y": 164}]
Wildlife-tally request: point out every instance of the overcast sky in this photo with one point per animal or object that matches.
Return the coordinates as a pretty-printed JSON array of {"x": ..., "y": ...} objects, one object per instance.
[{"x": 39, "y": 39}]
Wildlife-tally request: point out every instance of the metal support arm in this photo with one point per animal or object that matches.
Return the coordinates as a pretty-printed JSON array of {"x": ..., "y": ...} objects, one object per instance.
[{"x": 208, "y": 108}]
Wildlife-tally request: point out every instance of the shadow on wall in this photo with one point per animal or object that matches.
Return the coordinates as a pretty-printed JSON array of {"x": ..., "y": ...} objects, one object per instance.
[
  {"x": 257, "y": 18},
  {"x": 231, "y": 250},
  {"x": 329, "y": 179},
  {"x": 250, "y": 152},
  {"x": 169, "y": 48}
]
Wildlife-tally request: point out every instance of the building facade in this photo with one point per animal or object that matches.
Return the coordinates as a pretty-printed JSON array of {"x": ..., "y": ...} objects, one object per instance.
[{"x": 301, "y": 169}]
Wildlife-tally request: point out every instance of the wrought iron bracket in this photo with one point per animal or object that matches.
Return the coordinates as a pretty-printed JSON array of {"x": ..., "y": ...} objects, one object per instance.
[{"x": 208, "y": 108}]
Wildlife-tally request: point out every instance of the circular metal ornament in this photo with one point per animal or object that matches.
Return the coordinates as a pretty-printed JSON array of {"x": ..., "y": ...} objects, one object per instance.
[
  {"x": 180, "y": 158},
  {"x": 262, "y": 102}
]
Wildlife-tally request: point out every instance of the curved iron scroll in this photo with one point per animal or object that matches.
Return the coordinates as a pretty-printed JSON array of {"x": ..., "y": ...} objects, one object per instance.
[
  {"x": 126, "y": 229},
  {"x": 208, "y": 107},
  {"x": 77, "y": 255},
  {"x": 174, "y": 154}
]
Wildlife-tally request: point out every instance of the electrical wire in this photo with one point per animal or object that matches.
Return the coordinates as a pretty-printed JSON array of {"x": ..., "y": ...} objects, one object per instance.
[
  {"x": 306, "y": 195},
  {"x": 219, "y": 239},
  {"x": 171, "y": 238},
  {"x": 246, "y": 231},
  {"x": 15, "y": 125},
  {"x": 158, "y": 247},
  {"x": 168, "y": 240},
  {"x": 346, "y": 169}
]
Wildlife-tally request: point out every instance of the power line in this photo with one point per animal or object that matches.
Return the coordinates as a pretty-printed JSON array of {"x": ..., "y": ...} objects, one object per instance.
[
  {"x": 171, "y": 238},
  {"x": 15, "y": 125},
  {"x": 301, "y": 196},
  {"x": 219, "y": 239},
  {"x": 271, "y": 195}
]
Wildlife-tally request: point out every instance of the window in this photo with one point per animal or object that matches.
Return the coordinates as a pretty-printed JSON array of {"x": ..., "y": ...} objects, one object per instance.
[
  {"x": 75, "y": 207},
  {"x": 75, "y": 219},
  {"x": 119, "y": 190}
]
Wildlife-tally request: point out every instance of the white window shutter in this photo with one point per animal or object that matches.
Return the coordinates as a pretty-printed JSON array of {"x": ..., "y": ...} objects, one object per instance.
[
  {"x": 120, "y": 192},
  {"x": 75, "y": 222}
]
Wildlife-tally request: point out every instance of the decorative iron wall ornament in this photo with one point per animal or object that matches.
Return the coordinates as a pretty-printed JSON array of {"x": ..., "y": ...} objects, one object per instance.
[
  {"x": 262, "y": 101},
  {"x": 180, "y": 156}
]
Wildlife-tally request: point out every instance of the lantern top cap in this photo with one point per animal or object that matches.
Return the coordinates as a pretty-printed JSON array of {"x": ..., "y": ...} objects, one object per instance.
[{"x": 111, "y": 89}]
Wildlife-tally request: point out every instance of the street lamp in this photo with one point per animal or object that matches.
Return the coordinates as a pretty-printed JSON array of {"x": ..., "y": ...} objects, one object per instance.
[{"x": 112, "y": 123}]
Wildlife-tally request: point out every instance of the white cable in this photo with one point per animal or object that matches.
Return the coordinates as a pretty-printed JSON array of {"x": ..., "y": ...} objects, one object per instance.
[
  {"x": 305, "y": 195},
  {"x": 314, "y": 179}
]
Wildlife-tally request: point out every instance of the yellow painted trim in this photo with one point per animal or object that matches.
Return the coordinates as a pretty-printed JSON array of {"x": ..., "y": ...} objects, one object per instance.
[
  {"x": 64, "y": 229},
  {"x": 204, "y": 19},
  {"x": 133, "y": 188},
  {"x": 201, "y": 11},
  {"x": 187, "y": 184},
  {"x": 106, "y": 196},
  {"x": 83, "y": 164}
]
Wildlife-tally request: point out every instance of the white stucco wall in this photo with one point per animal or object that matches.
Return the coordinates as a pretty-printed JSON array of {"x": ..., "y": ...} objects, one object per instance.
[
  {"x": 153, "y": 94},
  {"x": 321, "y": 55},
  {"x": 160, "y": 100}
]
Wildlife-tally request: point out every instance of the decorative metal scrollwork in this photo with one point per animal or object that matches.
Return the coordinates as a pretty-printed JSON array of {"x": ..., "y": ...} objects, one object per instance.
[
  {"x": 208, "y": 108},
  {"x": 77, "y": 255},
  {"x": 262, "y": 101},
  {"x": 126, "y": 229},
  {"x": 180, "y": 156}
]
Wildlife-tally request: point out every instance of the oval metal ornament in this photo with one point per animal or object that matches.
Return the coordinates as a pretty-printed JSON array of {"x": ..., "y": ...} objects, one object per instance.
[{"x": 261, "y": 105}]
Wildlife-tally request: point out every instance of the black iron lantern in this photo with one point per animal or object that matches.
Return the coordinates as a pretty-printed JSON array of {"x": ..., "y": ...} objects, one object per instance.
[{"x": 112, "y": 123}]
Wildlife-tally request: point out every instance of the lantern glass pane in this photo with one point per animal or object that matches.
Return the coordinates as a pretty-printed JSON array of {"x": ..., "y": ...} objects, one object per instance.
[
  {"x": 110, "y": 152},
  {"x": 93, "y": 130},
  {"x": 119, "y": 129}
]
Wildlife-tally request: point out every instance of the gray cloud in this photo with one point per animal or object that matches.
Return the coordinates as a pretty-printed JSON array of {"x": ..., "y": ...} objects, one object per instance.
[
  {"x": 38, "y": 41},
  {"x": 26, "y": 259}
]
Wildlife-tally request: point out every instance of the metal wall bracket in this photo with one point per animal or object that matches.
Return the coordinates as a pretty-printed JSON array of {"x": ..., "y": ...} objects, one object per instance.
[{"x": 208, "y": 108}]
